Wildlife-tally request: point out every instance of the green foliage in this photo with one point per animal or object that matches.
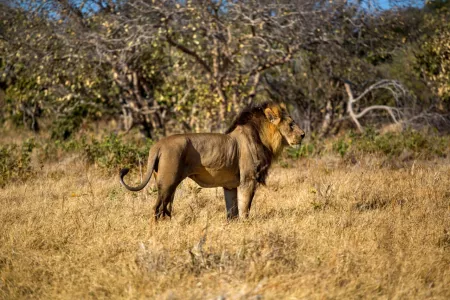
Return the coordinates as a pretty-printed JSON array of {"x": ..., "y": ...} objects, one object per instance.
[
  {"x": 418, "y": 144},
  {"x": 411, "y": 143},
  {"x": 64, "y": 127},
  {"x": 306, "y": 149},
  {"x": 199, "y": 63},
  {"x": 341, "y": 146},
  {"x": 433, "y": 55},
  {"x": 15, "y": 162},
  {"x": 111, "y": 152}
]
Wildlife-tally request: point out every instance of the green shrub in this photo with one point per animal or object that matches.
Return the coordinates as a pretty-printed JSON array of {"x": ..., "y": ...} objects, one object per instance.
[
  {"x": 394, "y": 144},
  {"x": 304, "y": 150},
  {"x": 109, "y": 152},
  {"x": 15, "y": 161},
  {"x": 341, "y": 146},
  {"x": 112, "y": 152},
  {"x": 409, "y": 143},
  {"x": 64, "y": 126}
]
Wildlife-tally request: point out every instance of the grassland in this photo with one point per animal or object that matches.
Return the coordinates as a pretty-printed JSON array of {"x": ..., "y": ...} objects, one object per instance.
[{"x": 324, "y": 228}]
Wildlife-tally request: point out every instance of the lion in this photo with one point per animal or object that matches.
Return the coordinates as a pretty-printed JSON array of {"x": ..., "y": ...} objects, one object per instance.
[{"x": 238, "y": 160}]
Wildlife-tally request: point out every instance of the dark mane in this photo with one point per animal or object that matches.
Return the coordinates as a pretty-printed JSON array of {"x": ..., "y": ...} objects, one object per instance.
[
  {"x": 246, "y": 115},
  {"x": 263, "y": 155}
]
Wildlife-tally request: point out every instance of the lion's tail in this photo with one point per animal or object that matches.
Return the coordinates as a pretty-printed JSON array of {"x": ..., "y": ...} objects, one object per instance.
[{"x": 152, "y": 161}]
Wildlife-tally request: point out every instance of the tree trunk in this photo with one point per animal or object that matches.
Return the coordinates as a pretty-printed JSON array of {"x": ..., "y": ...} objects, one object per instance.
[
  {"x": 138, "y": 107},
  {"x": 327, "y": 120}
]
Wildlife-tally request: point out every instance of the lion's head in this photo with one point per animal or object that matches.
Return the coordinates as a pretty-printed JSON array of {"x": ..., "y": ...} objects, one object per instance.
[
  {"x": 279, "y": 117},
  {"x": 275, "y": 126}
]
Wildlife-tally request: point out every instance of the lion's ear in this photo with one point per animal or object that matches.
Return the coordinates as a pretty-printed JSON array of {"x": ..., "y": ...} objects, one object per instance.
[{"x": 272, "y": 116}]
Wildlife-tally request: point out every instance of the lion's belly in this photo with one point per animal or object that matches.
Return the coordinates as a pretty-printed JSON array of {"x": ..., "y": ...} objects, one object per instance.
[{"x": 215, "y": 178}]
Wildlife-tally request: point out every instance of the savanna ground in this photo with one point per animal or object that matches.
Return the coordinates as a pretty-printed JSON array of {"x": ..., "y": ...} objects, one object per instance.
[{"x": 323, "y": 228}]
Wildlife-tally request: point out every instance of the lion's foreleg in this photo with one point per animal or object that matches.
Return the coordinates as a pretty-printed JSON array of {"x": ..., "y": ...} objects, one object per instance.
[
  {"x": 231, "y": 203},
  {"x": 246, "y": 191}
]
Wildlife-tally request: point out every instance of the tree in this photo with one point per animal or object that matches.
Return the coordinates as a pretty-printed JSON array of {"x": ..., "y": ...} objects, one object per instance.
[
  {"x": 81, "y": 62},
  {"x": 228, "y": 46},
  {"x": 433, "y": 58},
  {"x": 192, "y": 65}
]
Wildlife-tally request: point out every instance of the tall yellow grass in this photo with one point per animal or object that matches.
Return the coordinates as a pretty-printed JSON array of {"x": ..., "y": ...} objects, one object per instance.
[{"x": 320, "y": 229}]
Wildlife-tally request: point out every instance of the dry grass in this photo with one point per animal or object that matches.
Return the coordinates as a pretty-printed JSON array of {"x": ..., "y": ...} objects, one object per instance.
[{"x": 319, "y": 229}]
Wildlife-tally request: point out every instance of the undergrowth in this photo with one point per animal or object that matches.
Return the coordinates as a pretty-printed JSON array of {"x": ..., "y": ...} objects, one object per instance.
[
  {"x": 412, "y": 143},
  {"x": 111, "y": 152},
  {"x": 15, "y": 161}
]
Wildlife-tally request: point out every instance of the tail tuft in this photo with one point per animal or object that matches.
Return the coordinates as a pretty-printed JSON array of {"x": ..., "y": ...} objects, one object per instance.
[{"x": 124, "y": 172}]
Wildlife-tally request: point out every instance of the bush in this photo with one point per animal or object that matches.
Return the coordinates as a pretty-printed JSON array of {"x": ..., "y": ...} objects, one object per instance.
[
  {"x": 394, "y": 144},
  {"x": 341, "y": 146},
  {"x": 15, "y": 161},
  {"x": 65, "y": 126},
  {"x": 410, "y": 143},
  {"x": 304, "y": 150},
  {"x": 112, "y": 152},
  {"x": 109, "y": 152}
]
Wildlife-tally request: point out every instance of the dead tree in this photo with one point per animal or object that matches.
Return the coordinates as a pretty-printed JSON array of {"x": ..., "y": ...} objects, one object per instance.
[{"x": 395, "y": 88}]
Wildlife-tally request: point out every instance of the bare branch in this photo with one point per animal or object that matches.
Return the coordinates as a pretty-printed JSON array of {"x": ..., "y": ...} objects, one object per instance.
[{"x": 394, "y": 87}]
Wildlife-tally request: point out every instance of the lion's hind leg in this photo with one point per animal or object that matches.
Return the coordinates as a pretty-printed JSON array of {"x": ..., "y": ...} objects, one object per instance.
[
  {"x": 170, "y": 174},
  {"x": 162, "y": 208},
  {"x": 166, "y": 194}
]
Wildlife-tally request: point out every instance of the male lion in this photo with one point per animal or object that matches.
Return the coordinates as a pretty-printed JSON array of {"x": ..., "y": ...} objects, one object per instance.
[{"x": 237, "y": 160}]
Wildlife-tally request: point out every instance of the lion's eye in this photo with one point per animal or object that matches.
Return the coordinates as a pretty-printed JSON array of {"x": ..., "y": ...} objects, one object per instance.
[{"x": 292, "y": 125}]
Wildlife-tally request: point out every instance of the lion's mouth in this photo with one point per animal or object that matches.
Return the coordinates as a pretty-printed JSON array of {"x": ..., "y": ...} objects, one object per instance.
[{"x": 295, "y": 144}]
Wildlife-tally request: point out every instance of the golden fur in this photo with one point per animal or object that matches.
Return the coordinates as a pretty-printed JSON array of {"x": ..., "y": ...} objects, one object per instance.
[{"x": 236, "y": 160}]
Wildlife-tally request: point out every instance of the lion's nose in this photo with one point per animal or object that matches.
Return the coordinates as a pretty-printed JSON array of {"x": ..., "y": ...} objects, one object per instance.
[{"x": 302, "y": 134}]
